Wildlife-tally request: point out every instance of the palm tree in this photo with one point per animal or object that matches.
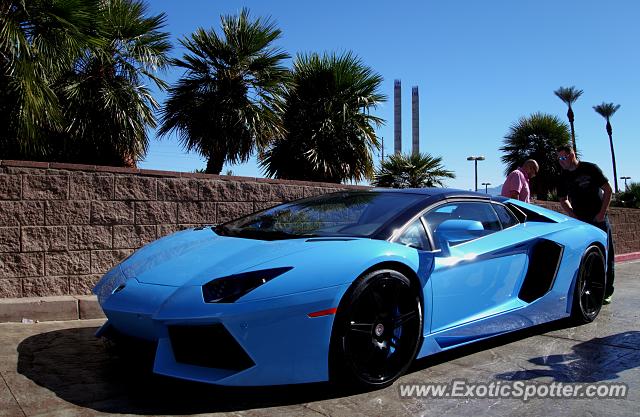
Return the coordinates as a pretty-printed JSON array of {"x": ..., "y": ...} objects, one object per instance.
[
  {"x": 72, "y": 79},
  {"x": 569, "y": 96},
  {"x": 39, "y": 41},
  {"x": 329, "y": 131},
  {"x": 536, "y": 137},
  {"x": 412, "y": 171},
  {"x": 105, "y": 99},
  {"x": 630, "y": 197},
  {"x": 607, "y": 110},
  {"x": 224, "y": 106}
]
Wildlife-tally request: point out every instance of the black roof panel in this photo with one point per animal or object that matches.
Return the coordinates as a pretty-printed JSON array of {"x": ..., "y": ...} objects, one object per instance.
[{"x": 441, "y": 193}]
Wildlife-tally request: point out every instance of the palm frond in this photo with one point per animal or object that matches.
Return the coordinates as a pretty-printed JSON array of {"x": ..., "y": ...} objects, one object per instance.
[
  {"x": 330, "y": 133},
  {"x": 568, "y": 94},
  {"x": 226, "y": 105},
  {"x": 412, "y": 171},
  {"x": 606, "y": 110},
  {"x": 536, "y": 137},
  {"x": 106, "y": 98},
  {"x": 39, "y": 41},
  {"x": 76, "y": 73}
]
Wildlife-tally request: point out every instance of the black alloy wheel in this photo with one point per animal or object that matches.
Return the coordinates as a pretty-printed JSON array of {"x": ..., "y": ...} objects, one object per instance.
[
  {"x": 377, "y": 330},
  {"x": 590, "y": 286}
]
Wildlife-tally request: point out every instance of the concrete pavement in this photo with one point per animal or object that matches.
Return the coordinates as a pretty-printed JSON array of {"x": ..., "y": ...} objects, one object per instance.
[{"x": 61, "y": 369}]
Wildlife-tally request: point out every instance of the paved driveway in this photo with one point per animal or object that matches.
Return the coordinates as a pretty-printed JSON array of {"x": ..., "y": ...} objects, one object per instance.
[{"x": 60, "y": 369}]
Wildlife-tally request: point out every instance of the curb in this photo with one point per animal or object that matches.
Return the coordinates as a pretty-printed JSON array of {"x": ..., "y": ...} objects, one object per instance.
[
  {"x": 34, "y": 309},
  {"x": 626, "y": 257}
]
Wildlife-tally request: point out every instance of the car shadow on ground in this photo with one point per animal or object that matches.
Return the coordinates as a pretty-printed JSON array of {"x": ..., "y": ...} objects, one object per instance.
[
  {"x": 88, "y": 372},
  {"x": 596, "y": 360},
  {"x": 491, "y": 343}
]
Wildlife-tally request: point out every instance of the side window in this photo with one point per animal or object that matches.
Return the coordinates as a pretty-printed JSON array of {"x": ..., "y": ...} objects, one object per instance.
[
  {"x": 414, "y": 236},
  {"x": 507, "y": 218},
  {"x": 455, "y": 223}
]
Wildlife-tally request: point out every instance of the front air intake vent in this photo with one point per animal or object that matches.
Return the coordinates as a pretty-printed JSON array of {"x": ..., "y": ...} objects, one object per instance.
[{"x": 210, "y": 346}]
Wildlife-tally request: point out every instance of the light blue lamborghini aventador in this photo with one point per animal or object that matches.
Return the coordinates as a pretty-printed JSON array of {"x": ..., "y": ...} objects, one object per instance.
[{"x": 352, "y": 285}]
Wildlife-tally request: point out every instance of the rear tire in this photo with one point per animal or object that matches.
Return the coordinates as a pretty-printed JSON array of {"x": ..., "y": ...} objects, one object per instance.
[
  {"x": 590, "y": 286},
  {"x": 377, "y": 330}
]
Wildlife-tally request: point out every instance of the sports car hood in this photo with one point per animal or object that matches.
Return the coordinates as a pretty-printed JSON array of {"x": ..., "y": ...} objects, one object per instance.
[{"x": 192, "y": 257}]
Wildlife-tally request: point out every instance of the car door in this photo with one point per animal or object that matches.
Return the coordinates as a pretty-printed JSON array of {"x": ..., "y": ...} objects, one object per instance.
[{"x": 480, "y": 262}]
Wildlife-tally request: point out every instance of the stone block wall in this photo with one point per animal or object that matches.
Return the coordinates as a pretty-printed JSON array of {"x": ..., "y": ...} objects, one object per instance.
[
  {"x": 625, "y": 223},
  {"x": 62, "y": 225}
]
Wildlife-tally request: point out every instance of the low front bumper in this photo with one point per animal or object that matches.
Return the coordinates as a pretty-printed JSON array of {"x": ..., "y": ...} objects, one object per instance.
[{"x": 264, "y": 342}]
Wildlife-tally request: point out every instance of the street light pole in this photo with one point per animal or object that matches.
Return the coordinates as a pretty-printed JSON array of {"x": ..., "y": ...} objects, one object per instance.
[
  {"x": 625, "y": 182},
  {"x": 476, "y": 159},
  {"x": 486, "y": 184}
]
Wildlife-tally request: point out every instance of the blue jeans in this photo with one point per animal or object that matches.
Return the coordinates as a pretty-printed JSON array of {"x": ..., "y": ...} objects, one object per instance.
[{"x": 606, "y": 227}]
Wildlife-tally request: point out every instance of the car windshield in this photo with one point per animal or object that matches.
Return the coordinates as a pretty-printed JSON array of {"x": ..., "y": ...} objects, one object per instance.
[{"x": 356, "y": 214}]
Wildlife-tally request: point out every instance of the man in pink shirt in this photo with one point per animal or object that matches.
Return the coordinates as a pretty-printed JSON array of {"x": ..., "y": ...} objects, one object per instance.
[{"x": 516, "y": 185}]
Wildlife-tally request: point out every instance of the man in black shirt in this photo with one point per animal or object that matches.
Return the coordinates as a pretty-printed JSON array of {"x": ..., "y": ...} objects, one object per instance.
[{"x": 585, "y": 194}]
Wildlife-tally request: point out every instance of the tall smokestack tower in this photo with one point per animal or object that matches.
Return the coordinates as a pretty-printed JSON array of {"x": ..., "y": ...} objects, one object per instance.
[
  {"x": 415, "y": 122},
  {"x": 397, "y": 117}
]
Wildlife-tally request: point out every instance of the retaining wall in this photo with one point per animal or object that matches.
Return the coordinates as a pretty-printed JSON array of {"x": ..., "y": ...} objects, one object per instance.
[
  {"x": 625, "y": 223},
  {"x": 63, "y": 225}
]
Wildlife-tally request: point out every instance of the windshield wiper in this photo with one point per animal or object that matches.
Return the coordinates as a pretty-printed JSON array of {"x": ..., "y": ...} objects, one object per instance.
[
  {"x": 261, "y": 234},
  {"x": 266, "y": 234},
  {"x": 221, "y": 230}
]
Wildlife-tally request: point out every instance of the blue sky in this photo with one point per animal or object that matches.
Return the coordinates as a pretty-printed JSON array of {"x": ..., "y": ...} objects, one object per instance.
[{"x": 479, "y": 66}]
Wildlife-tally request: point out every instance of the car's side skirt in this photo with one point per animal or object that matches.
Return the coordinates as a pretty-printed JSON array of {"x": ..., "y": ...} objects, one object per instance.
[{"x": 505, "y": 322}]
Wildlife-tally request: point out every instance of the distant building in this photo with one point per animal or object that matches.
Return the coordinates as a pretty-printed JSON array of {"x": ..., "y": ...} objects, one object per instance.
[
  {"x": 397, "y": 116},
  {"x": 415, "y": 121}
]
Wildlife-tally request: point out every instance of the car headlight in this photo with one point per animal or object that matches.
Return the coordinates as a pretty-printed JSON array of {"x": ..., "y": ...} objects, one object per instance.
[
  {"x": 229, "y": 289},
  {"x": 109, "y": 283}
]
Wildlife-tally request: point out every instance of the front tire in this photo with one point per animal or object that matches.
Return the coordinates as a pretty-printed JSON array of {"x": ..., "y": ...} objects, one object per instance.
[
  {"x": 377, "y": 330},
  {"x": 590, "y": 286}
]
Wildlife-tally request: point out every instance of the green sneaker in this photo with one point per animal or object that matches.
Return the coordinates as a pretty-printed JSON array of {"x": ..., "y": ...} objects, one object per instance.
[{"x": 607, "y": 300}]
